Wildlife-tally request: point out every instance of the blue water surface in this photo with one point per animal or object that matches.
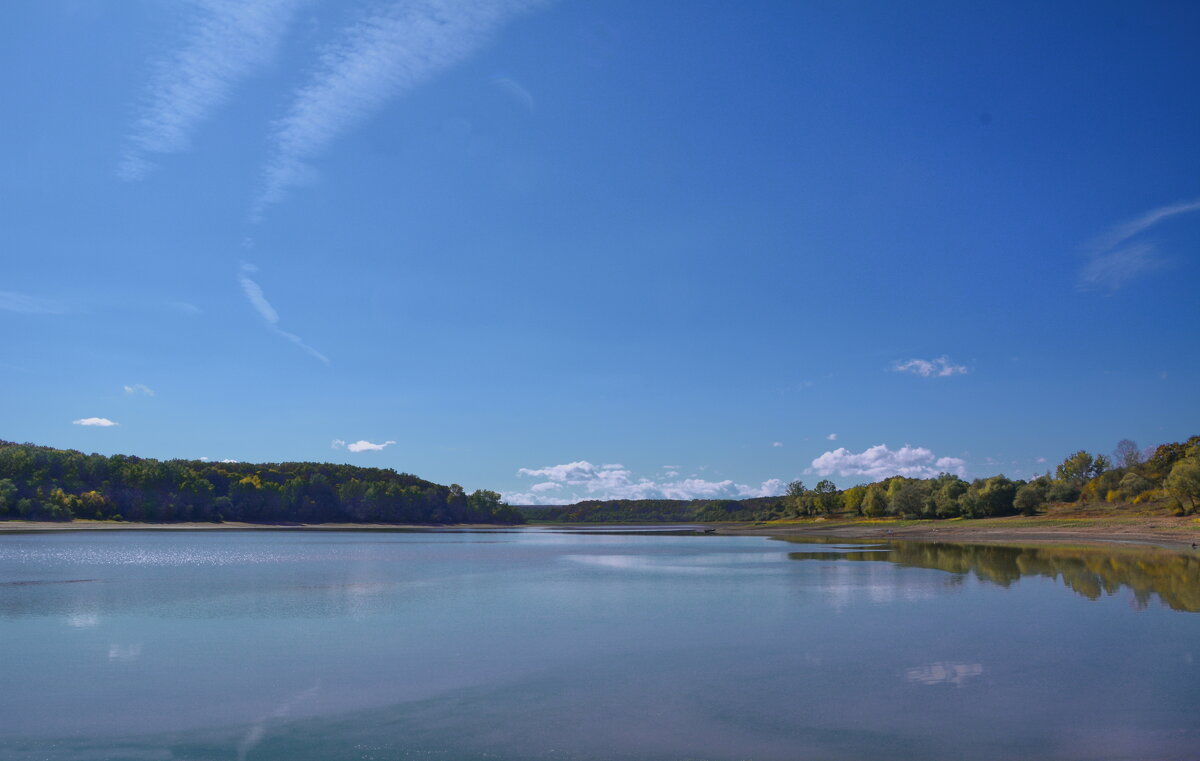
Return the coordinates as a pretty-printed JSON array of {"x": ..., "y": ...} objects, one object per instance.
[{"x": 546, "y": 644}]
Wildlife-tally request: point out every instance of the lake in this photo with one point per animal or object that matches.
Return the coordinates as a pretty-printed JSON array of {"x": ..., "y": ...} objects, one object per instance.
[{"x": 551, "y": 644}]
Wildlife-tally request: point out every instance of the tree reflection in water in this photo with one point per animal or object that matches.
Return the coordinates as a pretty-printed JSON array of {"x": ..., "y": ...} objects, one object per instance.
[{"x": 1090, "y": 571}]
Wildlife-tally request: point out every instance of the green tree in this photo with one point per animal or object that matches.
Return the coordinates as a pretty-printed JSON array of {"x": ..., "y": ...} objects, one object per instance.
[
  {"x": 996, "y": 495},
  {"x": 1029, "y": 498},
  {"x": 8, "y": 495},
  {"x": 794, "y": 498},
  {"x": 828, "y": 499},
  {"x": 852, "y": 498},
  {"x": 1081, "y": 467},
  {"x": 1183, "y": 484},
  {"x": 1133, "y": 484},
  {"x": 875, "y": 502},
  {"x": 946, "y": 492},
  {"x": 908, "y": 497}
]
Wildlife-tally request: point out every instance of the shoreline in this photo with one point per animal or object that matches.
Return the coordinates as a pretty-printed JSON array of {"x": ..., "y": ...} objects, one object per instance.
[{"x": 1172, "y": 532}]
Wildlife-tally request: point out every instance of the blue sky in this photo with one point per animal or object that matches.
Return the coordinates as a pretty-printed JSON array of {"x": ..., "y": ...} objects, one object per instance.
[{"x": 569, "y": 250}]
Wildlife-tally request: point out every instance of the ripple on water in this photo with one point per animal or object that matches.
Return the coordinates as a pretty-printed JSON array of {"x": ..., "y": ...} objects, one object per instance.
[{"x": 140, "y": 556}]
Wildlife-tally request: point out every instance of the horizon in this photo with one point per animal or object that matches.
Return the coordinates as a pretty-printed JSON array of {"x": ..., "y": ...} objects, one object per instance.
[{"x": 571, "y": 252}]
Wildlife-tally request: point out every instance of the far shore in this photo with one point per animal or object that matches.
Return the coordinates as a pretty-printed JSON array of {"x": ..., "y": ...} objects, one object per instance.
[{"x": 1163, "y": 531}]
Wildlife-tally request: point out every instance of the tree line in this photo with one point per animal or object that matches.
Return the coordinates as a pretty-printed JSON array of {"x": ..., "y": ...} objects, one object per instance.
[
  {"x": 1168, "y": 474},
  {"x": 41, "y": 483}
]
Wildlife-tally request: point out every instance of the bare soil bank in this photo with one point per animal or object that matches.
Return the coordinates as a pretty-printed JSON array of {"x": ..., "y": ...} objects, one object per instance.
[{"x": 1167, "y": 531}]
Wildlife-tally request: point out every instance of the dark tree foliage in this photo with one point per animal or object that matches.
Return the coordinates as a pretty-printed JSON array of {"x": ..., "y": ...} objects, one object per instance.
[
  {"x": 659, "y": 510},
  {"x": 40, "y": 483}
]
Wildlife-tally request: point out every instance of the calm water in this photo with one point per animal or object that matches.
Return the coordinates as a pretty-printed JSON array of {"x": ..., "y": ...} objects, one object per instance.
[{"x": 537, "y": 644}]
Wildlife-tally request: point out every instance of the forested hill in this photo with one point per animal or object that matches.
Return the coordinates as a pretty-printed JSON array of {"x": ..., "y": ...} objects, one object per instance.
[
  {"x": 1166, "y": 476},
  {"x": 656, "y": 510},
  {"x": 41, "y": 483}
]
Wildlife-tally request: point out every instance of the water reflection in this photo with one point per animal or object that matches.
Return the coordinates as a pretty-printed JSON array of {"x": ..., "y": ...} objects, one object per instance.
[
  {"x": 1174, "y": 577},
  {"x": 956, "y": 674}
]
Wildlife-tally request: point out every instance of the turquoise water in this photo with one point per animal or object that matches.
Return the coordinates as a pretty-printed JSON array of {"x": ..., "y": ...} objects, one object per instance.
[{"x": 541, "y": 644}]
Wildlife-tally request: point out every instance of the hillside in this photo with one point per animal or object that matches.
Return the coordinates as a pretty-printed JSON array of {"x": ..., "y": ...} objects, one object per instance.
[{"x": 42, "y": 483}]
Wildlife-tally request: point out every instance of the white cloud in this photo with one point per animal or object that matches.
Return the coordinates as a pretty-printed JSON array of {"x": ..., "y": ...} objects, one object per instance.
[
  {"x": 101, "y": 422},
  {"x": 139, "y": 388},
  {"x": 879, "y": 462},
  {"x": 11, "y": 301},
  {"x": 337, "y": 444},
  {"x": 227, "y": 461},
  {"x": 776, "y": 443},
  {"x": 575, "y": 481},
  {"x": 832, "y": 437},
  {"x": 386, "y": 53},
  {"x": 941, "y": 367},
  {"x": 366, "y": 446},
  {"x": 1111, "y": 264},
  {"x": 254, "y": 294},
  {"x": 225, "y": 42}
]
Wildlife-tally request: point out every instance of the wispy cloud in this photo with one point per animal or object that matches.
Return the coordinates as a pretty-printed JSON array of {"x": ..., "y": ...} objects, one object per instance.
[
  {"x": 879, "y": 462},
  {"x": 832, "y": 437},
  {"x": 575, "y": 481},
  {"x": 515, "y": 90},
  {"x": 1111, "y": 263},
  {"x": 776, "y": 443},
  {"x": 10, "y": 301},
  {"x": 226, "y": 41},
  {"x": 386, "y": 53},
  {"x": 254, "y": 294},
  {"x": 941, "y": 367},
  {"x": 101, "y": 422},
  {"x": 184, "y": 307},
  {"x": 139, "y": 388},
  {"x": 362, "y": 445}
]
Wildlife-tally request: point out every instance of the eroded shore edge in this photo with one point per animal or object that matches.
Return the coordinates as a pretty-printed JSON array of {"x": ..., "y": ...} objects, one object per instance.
[{"x": 1179, "y": 533}]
